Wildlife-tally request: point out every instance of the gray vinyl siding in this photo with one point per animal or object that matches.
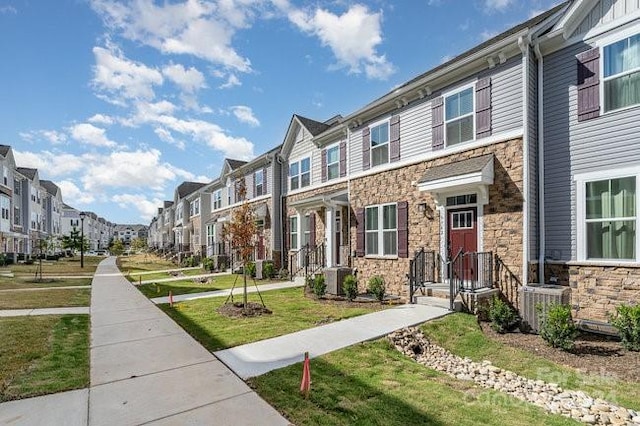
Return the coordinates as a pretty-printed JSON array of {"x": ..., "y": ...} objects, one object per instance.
[
  {"x": 304, "y": 148},
  {"x": 415, "y": 119},
  {"x": 532, "y": 125},
  {"x": 606, "y": 11},
  {"x": 276, "y": 207},
  {"x": 608, "y": 142}
]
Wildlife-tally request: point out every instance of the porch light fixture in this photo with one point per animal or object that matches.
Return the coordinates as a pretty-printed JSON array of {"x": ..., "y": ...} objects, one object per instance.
[{"x": 425, "y": 210}]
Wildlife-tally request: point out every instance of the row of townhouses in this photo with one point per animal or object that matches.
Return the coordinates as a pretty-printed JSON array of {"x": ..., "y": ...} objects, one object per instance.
[
  {"x": 33, "y": 211},
  {"x": 525, "y": 148}
]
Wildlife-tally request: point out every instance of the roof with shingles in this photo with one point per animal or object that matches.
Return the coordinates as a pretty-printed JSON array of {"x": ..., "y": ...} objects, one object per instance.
[
  {"x": 235, "y": 164},
  {"x": 4, "y": 150},
  {"x": 313, "y": 126},
  {"x": 51, "y": 187},
  {"x": 456, "y": 168},
  {"x": 27, "y": 172},
  {"x": 187, "y": 188}
]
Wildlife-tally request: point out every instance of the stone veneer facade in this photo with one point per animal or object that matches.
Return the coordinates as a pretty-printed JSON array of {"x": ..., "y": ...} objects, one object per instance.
[
  {"x": 502, "y": 216},
  {"x": 597, "y": 290}
]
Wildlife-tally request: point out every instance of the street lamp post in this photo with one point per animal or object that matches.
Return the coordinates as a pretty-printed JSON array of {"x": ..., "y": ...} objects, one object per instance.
[{"x": 82, "y": 216}]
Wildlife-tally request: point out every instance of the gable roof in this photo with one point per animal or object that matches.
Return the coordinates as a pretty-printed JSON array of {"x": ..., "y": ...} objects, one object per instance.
[
  {"x": 456, "y": 168},
  {"x": 314, "y": 127},
  {"x": 186, "y": 188},
  {"x": 27, "y": 172},
  {"x": 168, "y": 204},
  {"x": 51, "y": 187},
  {"x": 4, "y": 150},
  {"x": 235, "y": 164}
]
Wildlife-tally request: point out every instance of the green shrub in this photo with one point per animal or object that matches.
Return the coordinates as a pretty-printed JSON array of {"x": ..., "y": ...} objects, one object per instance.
[
  {"x": 503, "y": 318},
  {"x": 189, "y": 262},
  {"x": 350, "y": 287},
  {"x": 283, "y": 274},
  {"x": 627, "y": 322},
  {"x": 319, "y": 286},
  {"x": 556, "y": 325},
  {"x": 377, "y": 288},
  {"x": 250, "y": 269},
  {"x": 207, "y": 264},
  {"x": 268, "y": 270}
]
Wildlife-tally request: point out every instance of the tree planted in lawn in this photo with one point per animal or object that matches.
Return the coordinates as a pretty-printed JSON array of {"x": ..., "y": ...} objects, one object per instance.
[{"x": 240, "y": 232}]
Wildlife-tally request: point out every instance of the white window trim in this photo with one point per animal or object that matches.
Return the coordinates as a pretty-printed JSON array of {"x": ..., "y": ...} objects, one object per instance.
[
  {"x": 581, "y": 216},
  {"x": 602, "y": 43},
  {"x": 451, "y": 92},
  {"x": 213, "y": 199},
  {"x": 380, "y": 231},
  {"x": 299, "y": 161},
  {"x": 386, "y": 121},
  {"x": 296, "y": 232},
  {"x": 255, "y": 184},
  {"x": 328, "y": 148}
]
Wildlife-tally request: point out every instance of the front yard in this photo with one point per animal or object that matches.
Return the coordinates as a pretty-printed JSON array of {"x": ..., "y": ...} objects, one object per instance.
[
  {"x": 42, "y": 355},
  {"x": 49, "y": 298},
  {"x": 292, "y": 311},
  {"x": 189, "y": 286},
  {"x": 63, "y": 266}
]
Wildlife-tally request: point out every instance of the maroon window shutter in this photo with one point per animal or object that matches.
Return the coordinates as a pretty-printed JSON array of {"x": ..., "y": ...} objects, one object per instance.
[
  {"x": 264, "y": 181},
  {"x": 343, "y": 159},
  {"x": 483, "y": 108},
  {"x": 323, "y": 162},
  {"x": 359, "y": 232},
  {"x": 394, "y": 140},
  {"x": 403, "y": 229},
  {"x": 312, "y": 229},
  {"x": 366, "y": 148},
  {"x": 588, "y": 84},
  {"x": 437, "y": 123}
]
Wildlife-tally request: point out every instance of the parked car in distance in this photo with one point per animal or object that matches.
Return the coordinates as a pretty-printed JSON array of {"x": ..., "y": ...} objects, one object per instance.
[{"x": 102, "y": 253}]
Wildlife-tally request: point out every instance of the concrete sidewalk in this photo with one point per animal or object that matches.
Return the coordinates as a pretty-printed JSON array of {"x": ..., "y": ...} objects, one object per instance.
[
  {"x": 43, "y": 311},
  {"x": 222, "y": 293},
  {"x": 261, "y": 357}
]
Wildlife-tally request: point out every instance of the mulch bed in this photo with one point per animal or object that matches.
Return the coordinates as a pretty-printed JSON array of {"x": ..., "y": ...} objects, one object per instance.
[
  {"x": 593, "y": 354},
  {"x": 237, "y": 310},
  {"x": 362, "y": 299}
]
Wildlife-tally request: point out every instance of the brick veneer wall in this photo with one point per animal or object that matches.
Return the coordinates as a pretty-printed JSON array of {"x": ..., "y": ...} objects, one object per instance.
[
  {"x": 597, "y": 290},
  {"x": 502, "y": 216}
]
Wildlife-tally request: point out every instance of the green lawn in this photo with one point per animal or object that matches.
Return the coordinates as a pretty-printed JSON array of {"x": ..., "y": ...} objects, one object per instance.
[
  {"x": 43, "y": 355},
  {"x": 51, "y": 298},
  {"x": 143, "y": 263},
  {"x": 291, "y": 312},
  {"x": 31, "y": 282},
  {"x": 187, "y": 286},
  {"x": 63, "y": 266},
  {"x": 461, "y": 335},
  {"x": 373, "y": 384}
]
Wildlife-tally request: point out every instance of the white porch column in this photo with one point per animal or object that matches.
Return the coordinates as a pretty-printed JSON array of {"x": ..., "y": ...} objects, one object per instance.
[{"x": 329, "y": 233}]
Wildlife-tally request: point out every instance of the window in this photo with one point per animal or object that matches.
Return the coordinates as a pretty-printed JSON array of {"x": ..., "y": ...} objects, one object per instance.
[
  {"x": 16, "y": 216},
  {"x": 462, "y": 220},
  {"x": 333, "y": 162},
  {"x": 610, "y": 216},
  {"x": 293, "y": 232},
  {"x": 459, "y": 116},
  {"x": 461, "y": 200},
  {"x": 258, "y": 179},
  {"x": 217, "y": 199},
  {"x": 194, "y": 208},
  {"x": 306, "y": 236},
  {"x": 381, "y": 229},
  {"x": 380, "y": 144},
  {"x": 622, "y": 73},
  {"x": 16, "y": 187},
  {"x": 300, "y": 174}
]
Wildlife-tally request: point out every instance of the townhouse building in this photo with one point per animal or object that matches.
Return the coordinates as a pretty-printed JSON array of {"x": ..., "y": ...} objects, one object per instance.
[
  {"x": 128, "y": 233},
  {"x": 182, "y": 214}
]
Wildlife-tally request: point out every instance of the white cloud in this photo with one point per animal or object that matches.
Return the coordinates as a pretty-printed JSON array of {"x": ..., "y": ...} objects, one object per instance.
[
  {"x": 91, "y": 135},
  {"x": 232, "y": 81},
  {"x": 496, "y": 5},
  {"x": 194, "y": 27},
  {"x": 487, "y": 34},
  {"x": 73, "y": 195},
  {"x": 166, "y": 136},
  {"x": 189, "y": 80},
  {"x": 53, "y": 163},
  {"x": 101, "y": 119},
  {"x": 120, "y": 78},
  {"x": 352, "y": 37},
  {"x": 53, "y": 136},
  {"x": 244, "y": 114},
  {"x": 146, "y": 207}
]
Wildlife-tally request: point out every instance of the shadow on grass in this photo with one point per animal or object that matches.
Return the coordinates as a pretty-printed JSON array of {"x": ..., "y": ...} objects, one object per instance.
[
  {"x": 162, "y": 290},
  {"x": 203, "y": 336}
]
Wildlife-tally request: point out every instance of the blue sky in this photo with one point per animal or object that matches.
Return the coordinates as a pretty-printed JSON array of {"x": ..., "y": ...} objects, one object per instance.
[{"x": 120, "y": 101}]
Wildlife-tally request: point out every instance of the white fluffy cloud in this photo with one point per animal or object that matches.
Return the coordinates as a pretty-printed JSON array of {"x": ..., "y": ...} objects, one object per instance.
[
  {"x": 53, "y": 136},
  {"x": 101, "y": 119},
  {"x": 499, "y": 5},
  {"x": 352, "y": 37},
  {"x": 146, "y": 207},
  {"x": 244, "y": 114},
  {"x": 73, "y": 195},
  {"x": 120, "y": 78},
  {"x": 194, "y": 27},
  {"x": 189, "y": 80},
  {"x": 89, "y": 134},
  {"x": 54, "y": 163}
]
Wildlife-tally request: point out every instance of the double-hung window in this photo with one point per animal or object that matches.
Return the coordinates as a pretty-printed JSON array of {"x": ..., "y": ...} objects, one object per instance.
[
  {"x": 293, "y": 232},
  {"x": 379, "y": 144},
  {"x": 258, "y": 179},
  {"x": 459, "y": 116},
  {"x": 217, "y": 199},
  {"x": 381, "y": 229},
  {"x": 610, "y": 219},
  {"x": 333, "y": 162},
  {"x": 622, "y": 73},
  {"x": 300, "y": 174}
]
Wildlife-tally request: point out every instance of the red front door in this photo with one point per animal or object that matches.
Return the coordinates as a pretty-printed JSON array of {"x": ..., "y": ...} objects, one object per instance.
[{"x": 463, "y": 235}]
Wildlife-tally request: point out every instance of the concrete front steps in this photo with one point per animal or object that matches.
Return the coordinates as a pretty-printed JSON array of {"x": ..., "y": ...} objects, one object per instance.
[{"x": 437, "y": 294}]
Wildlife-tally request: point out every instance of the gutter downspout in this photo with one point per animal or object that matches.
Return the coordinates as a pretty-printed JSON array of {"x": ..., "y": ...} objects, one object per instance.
[
  {"x": 523, "y": 43},
  {"x": 541, "y": 210},
  {"x": 349, "y": 193},
  {"x": 278, "y": 158}
]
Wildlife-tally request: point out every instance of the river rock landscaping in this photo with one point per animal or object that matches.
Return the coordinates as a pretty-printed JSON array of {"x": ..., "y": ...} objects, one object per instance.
[{"x": 550, "y": 396}]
